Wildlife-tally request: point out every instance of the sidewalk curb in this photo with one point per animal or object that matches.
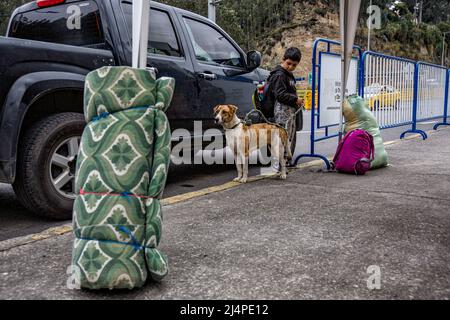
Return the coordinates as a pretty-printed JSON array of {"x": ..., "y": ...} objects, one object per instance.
[
  {"x": 66, "y": 228},
  {"x": 31, "y": 238}
]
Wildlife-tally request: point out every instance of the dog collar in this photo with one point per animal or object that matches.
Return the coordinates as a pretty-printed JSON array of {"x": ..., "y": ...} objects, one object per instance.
[{"x": 234, "y": 127}]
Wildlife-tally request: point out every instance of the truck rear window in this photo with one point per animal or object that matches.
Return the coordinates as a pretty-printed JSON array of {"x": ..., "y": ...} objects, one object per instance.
[
  {"x": 75, "y": 24},
  {"x": 162, "y": 36}
]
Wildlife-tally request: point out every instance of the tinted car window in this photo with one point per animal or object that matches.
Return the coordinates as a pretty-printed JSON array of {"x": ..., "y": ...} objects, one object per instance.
[
  {"x": 74, "y": 24},
  {"x": 211, "y": 46},
  {"x": 162, "y": 37}
]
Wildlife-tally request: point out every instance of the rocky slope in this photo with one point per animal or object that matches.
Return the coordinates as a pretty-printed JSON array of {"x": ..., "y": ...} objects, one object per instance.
[{"x": 316, "y": 20}]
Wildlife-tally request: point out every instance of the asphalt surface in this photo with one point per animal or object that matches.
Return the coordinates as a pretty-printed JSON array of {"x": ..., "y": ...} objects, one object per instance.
[
  {"x": 313, "y": 236},
  {"x": 16, "y": 221}
]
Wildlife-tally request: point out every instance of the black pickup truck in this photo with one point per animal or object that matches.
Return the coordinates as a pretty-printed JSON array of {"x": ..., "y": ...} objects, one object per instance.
[{"x": 49, "y": 48}]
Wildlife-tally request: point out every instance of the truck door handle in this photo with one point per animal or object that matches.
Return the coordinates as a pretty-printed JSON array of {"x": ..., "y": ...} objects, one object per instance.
[{"x": 207, "y": 76}]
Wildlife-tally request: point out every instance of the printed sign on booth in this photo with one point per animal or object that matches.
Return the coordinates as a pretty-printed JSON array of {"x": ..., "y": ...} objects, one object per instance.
[{"x": 330, "y": 87}]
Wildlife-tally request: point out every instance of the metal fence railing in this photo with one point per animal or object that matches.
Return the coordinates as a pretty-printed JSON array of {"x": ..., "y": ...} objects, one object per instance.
[
  {"x": 446, "y": 104},
  {"x": 322, "y": 52},
  {"x": 400, "y": 92},
  {"x": 432, "y": 86},
  {"x": 387, "y": 84}
]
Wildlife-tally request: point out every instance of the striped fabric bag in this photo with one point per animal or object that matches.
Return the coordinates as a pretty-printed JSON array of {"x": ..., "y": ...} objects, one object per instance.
[{"x": 122, "y": 167}]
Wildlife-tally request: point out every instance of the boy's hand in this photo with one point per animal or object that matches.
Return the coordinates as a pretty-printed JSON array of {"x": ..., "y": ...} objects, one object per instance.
[{"x": 300, "y": 102}]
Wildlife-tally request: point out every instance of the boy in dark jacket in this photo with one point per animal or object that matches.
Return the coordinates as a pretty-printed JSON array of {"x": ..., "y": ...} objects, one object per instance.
[{"x": 285, "y": 92}]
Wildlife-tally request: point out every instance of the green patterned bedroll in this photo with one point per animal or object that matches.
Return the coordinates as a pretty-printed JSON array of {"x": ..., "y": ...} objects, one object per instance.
[{"x": 122, "y": 167}]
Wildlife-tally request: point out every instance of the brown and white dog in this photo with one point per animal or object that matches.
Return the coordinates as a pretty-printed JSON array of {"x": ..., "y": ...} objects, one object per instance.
[{"x": 243, "y": 140}]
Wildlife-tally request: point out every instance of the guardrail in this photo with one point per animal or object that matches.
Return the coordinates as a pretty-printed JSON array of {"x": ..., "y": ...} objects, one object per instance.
[{"x": 400, "y": 92}]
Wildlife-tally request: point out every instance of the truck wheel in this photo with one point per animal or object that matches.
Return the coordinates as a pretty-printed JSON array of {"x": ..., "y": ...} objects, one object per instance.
[{"x": 47, "y": 155}]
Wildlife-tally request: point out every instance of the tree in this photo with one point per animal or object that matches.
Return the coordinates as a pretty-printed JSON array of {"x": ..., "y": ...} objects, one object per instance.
[{"x": 6, "y": 9}]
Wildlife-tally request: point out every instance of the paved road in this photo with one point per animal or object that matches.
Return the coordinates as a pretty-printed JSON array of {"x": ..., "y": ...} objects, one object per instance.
[
  {"x": 16, "y": 221},
  {"x": 312, "y": 236}
]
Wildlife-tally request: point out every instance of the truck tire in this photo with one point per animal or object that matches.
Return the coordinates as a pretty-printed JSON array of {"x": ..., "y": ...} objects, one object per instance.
[{"x": 46, "y": 159}]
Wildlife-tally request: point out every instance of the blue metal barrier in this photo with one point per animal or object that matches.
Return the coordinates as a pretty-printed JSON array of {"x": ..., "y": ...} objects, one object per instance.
[
  {"x": 446, "y": 104},
  {"x": 430, "y": 94},
  {"x": 389, "y": 85},
  {"x": 399, "y": 91},
  {"x": 414, "y": 114}
]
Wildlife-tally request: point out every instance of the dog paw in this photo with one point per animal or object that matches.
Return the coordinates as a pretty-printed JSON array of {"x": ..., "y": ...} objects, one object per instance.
[
  {"x": 283, "y": 176},
  {"x": 238, "y": 179},
  {"x": 243, "y": 180}
]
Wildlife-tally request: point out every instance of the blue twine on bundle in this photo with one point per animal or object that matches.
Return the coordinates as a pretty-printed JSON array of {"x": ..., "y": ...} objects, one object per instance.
[
  {"x": 104, "y": 115},
  {"x": 140, "y": 107},
  {"x": 134, "y": 242},
  {"x": 136, "y": 245},
  {"x": 127, "y": 195}
]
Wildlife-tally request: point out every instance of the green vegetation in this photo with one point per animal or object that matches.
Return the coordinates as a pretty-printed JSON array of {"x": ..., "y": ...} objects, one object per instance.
[
  {"x": 260, "y": 23},
  {"x": 247, "y": 21},
  {"x": 401, "y": 34},
  {"x": 6, "y": 8}
]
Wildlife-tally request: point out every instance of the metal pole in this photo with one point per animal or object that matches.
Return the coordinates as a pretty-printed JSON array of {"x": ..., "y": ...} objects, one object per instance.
[
  {"x": 341, "y": 109},
  {"x": 447, "y": 81},
  {"x": 416, "y": 95},
  {"x": 212, "y": 10},
  {"x": 348, "y": 16},
  {"x": 443, "y": 49},
  {"x": 370, "y": 29},
  {"x": 344, "y": 12},
  {"x": 420, "y": 12},
  {"x": 415, "y": 12},
  {"x": 141, "y": 13},
  {"x": 313, "y": 97}
]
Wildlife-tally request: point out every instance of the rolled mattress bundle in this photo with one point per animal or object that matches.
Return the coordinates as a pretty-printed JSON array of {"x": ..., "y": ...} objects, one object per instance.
[
  {"x": 357, "y": 115},
  {"x": 122, "y": 168}
]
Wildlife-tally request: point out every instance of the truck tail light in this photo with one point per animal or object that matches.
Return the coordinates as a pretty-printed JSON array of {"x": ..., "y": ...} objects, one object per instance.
[{"x": 48, "y": 3}]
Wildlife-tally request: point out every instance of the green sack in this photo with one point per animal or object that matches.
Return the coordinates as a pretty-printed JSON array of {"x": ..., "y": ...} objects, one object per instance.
[
  {"x": 357, "y": 115},
  {"x": 122, "y": 167}
]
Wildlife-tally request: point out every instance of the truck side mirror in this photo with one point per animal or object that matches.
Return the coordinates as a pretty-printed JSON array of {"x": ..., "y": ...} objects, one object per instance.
[{"x": 253, "y": 60}]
